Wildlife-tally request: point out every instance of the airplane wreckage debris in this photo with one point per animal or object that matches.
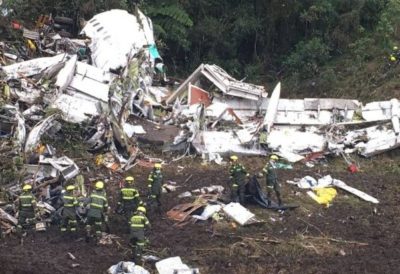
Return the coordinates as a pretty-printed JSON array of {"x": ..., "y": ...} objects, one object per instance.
[{"x": 112, "y": 84}]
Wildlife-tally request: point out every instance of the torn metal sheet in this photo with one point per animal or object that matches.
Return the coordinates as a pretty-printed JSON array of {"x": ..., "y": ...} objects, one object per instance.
[
  {"x": 223, "y": 81},
  {"x": 41, "y": 171},
  {"x": 371, "y": 140},
  {"x": 330, "y": 103},
  {"x": 377, "y": 111},
  {"x": 12, "y": 123},
  {"x": 291, "y": 139},
  {"x": 309, "y": 182},
  {"x": 111, "y": 44},
  {"x": 32, "y": 110},
  {"x": 222, "y": 112},
  {"x": 32, "y": 35},
  {"x": 181, "y": 212},
  {"x": 208, "y": 212},
  {"x": 92, "y": 72},
  {"x": 31, "y": 67},
  {"x": 5, "y": 217},
  {"x": 90, "y": 87},
  {"x": 272, "y": 108},
  {"x": 66, "y": 74},
  {"x": 44, "y": 126},
  {"x": 238, "y": 213},
  {"x": 174, "y": 265},
  {"x": 197, "y": 95},
  {"x": 131, "y": 130},
  {"x": 223, "y": 142},
  {"x": 76, "y": 108},
  {"x": 127, "y": 268},
  {"x": 159, "y": 93},
  {"x": 64, "y": 165},
  {"x": 395, "y": 115},
  {"x": 26, "y": 92},
  {"x": 354, "y": 191}
]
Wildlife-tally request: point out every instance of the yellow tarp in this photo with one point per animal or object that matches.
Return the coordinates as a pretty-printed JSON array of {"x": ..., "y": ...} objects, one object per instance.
[{"x": 324, "y": 196}]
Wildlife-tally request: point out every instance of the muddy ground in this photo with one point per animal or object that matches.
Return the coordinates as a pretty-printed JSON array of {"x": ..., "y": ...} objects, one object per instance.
[{"x": 351, "y": 236}]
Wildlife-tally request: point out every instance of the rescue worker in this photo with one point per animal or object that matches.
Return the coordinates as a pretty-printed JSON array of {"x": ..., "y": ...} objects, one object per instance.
[
  {"x": 97, "y": 211},
  {"x": 155, "y": 185},
  {"x": 237, "y": 177},
  {"x": 69, "y": 214},
  {"x": 139, "y": 223},
  {"x": 27, "y": 206},
  {"x": 272, "y": 180},
  {"x": 129, "y": 198},
  {"x": 395, "y": 55}
]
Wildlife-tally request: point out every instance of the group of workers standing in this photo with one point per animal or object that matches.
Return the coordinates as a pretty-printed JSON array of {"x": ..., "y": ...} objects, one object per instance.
[{"x": 131, "y": 205}]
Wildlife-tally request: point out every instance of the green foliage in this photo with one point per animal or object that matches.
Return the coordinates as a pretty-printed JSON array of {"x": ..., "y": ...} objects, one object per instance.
[
  {"x": 255, "y": 38},
  {"x": 361, "y": 49},
  {"x": 171, "y": 23},
  {"x": 308, "y": 57},
  {"x": 388, "y": 26}
]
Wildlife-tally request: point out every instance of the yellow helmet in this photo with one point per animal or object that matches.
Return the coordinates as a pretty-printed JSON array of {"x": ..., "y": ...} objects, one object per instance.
[
  {"x": 129, "y": 179},
  {"x": 99, "y": 185},
  {"x": 234, "y": 158},
  {"x": 395, "y": 48},
  {"x": 274, "y": 157},
  {"x": 27, "y": 187},
  {"x": 157, "y": 165},
  {"x": 392, "y": 58},
  {"x": 141, "y": 209},
  {"x": 70, "y": 187}
]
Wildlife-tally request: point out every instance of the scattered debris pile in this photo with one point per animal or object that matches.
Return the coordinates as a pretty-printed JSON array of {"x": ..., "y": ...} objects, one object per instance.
[{"x": 324, "y": 191}]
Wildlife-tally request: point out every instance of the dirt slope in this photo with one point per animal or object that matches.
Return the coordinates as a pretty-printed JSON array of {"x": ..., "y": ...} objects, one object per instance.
[{"x": 351, "y": 236}]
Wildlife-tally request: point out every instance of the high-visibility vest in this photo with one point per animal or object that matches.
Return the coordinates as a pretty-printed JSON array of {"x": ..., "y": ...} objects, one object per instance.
[
  {"x": 26, "y": 201},
  {"x": 139, "y": 221},
  {"x": 69, "y": 201},
  {"x": 98, "y": 200},
  {"x": 129, "y": 193}
]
